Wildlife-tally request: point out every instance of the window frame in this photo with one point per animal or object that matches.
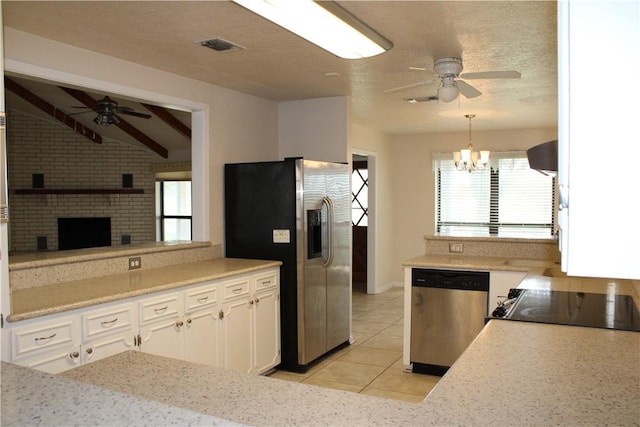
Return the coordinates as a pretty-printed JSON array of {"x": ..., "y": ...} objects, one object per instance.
[{"x": 161, "y": 216}]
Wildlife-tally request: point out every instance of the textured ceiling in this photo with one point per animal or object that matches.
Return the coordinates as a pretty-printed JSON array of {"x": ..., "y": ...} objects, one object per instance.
[{"x": 278, "y": 65}]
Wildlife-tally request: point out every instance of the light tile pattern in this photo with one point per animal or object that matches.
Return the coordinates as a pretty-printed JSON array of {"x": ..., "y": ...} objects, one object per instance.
[{"x": 372, "y": 365}]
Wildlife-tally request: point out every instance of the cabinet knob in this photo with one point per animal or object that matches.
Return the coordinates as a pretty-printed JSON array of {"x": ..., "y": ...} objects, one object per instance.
[
  {"x": 179, "y": 323},
  {"x": 74, "y": 355},
  {"x": 89, "y": 350},
  {"x": 257, "y": 300},
  {"x": 189, "y": 321}
]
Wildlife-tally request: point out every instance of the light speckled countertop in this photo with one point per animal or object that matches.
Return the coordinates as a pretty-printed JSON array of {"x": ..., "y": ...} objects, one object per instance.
[
  {"x": 477, "y": 262},
  {"x": 34, "y": 398},
  {"x": 513, "y": 373},
  {"x": 39, "y": 301}
]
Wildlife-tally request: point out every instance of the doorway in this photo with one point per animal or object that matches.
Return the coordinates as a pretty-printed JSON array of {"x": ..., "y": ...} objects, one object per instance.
[{"x": 359, "y": 221}]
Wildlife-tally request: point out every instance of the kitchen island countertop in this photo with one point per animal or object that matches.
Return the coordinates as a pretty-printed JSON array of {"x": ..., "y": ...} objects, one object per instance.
[{"x": 513, "y": 373}]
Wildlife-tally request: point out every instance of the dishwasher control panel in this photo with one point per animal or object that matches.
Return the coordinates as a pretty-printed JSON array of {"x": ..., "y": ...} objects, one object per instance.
[{"x": 450, "y": 279}]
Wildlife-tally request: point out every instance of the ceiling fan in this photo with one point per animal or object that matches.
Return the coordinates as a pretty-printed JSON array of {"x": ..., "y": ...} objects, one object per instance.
[
  {"x": 451, "y": 82},
  {"x": 108, "y": 111}
]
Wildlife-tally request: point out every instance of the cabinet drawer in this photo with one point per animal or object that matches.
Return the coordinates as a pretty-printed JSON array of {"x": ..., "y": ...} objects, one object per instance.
[
  {"x": 159, "y": 307},
  {"x": 200, "y": 298},
  {"x": 106, "y": 321},
  {"x": 266, "y": 281},
  {"x": 40, "y": 337},
  {"x": 236, "y": 289}
]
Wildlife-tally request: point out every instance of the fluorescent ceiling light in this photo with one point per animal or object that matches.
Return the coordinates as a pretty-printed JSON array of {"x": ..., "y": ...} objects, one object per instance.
[{"x": 325, "y": 24}]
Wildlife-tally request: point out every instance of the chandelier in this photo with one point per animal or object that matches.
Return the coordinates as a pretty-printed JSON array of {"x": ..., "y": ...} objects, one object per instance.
[{"x": 468, "y": 159}]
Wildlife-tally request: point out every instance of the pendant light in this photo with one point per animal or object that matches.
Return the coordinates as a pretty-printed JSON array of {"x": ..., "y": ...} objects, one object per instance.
[{"x": 468, "y": 159}]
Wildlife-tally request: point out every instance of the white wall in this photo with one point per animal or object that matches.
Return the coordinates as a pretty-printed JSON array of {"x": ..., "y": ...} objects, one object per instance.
[
  {"x": 381, "y": 213},
  {"x": 413, "y": 195},
  {"x": 316, "y": 129},
  {"x": 227, "y": 126}
]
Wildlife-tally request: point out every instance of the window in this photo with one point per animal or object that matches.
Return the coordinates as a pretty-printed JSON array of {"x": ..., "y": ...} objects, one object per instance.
[
  {"x": 509, "y": 200},
  {"x": 360, "y": 194},
  {"x": 173, "y": 210}
]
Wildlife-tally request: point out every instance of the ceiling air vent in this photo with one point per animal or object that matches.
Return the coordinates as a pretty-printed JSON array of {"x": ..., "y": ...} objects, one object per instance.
[{"x": 220, "y": 45}]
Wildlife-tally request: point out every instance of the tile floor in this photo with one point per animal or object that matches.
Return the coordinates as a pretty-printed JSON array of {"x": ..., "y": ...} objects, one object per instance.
[{"x": 373, "y": 363}]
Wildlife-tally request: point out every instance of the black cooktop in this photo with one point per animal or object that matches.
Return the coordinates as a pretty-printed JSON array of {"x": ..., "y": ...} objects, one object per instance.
[{"x": 577, "y": 309}]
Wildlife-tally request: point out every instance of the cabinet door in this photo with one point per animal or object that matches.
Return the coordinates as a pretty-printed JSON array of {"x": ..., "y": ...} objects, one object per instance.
[
  {"x": 109, "y": 345},
  {"x": 599, "y": 235},
  {"x": 55, "y": 361},
  {"x": 107, "y": 331},
  {"x": 161, "y": 325},
  {"x": 202, "y": 337},
  {"x": 163, "y": 338},
  {"x": 236, "y": 335},
  {"x": 266, "y": 326}
]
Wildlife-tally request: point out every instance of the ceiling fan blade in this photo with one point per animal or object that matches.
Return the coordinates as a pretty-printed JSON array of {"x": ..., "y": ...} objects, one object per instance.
[
  {"x": 425, "y": 82},
  {"x": 418, "y": 99},
  {"x": 135, "y": 114},
  {"x": 467, "y": 90},
  {"x": 491, "y": 75}
]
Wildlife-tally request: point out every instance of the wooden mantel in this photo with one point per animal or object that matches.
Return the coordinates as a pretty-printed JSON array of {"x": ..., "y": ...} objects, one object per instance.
[{"x": 79, "y": 191}]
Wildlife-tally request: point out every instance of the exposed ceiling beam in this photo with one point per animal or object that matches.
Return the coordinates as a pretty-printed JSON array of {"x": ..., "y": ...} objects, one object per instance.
[
  {"x": 171, "y": 120},
  {"x": 127, "y": 127},
  {"x": 51, "y": 110}
]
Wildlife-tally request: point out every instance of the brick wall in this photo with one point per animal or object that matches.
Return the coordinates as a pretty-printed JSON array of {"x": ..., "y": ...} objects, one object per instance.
[{"x": 68, "y": 160}]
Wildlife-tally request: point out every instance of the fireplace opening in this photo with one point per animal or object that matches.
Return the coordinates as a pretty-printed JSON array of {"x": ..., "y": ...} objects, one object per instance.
[{"x": 78, "y": 233}]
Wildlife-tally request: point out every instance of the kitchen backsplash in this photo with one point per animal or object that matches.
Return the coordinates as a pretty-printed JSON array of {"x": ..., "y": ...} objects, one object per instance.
[{"x": 493, "y": 247}]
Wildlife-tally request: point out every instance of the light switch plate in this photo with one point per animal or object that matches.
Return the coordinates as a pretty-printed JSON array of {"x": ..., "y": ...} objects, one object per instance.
[{"x": 281, "y": 236}]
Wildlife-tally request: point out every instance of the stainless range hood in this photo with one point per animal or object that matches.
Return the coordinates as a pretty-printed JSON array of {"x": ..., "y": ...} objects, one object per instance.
[{"x": 544, "y": 157}]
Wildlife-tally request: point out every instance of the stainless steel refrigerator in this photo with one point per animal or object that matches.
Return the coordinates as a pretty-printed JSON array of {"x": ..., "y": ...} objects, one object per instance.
[{"x": 299, "y": 212}]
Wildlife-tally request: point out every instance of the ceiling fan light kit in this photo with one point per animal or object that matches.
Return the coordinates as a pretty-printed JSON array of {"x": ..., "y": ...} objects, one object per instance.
[
  {"x": 468, "y": 159},
  {"x": 448, "y": 90},
  {"x": 452, "y": 83},
  {"x": 108, "y": 111},
  {"x": 325, "y": 24},
  {"x": 106, "y": 119}
]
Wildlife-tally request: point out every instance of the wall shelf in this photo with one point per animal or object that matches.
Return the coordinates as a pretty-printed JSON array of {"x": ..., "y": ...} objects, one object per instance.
[{"x": 80, "y": 191}]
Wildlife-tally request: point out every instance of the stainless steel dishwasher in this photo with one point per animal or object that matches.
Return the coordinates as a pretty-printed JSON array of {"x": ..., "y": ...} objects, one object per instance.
[{"x": 448, "y": 310}]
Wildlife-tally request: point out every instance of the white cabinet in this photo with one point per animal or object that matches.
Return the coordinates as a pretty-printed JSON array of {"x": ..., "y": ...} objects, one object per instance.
[
  {"x": 237, "y": 325},
  {"x": 233, "y": 323},
  {"x": 108, "y": 330},
  {"x": 251, "y": 323},
  {"x": 597, "y": 135},
  {"x": 161, "y": 325},
  {"x": 182, "y": 325},
  {"x": 266, "y": 323},
  {"x": 201, "y": 325},
  {"x": 51, "y": 345},
  {"x": 63, "y": 341}
]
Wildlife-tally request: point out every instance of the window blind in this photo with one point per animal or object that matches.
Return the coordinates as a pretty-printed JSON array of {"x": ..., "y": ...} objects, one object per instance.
[{"x": 508, "y": 200}]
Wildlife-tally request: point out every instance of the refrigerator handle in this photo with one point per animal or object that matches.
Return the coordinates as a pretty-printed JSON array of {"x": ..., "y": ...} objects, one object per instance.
[{"x": 329, "y": 204}]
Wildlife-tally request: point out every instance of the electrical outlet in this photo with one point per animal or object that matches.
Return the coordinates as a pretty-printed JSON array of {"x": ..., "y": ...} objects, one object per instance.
[
  {"x": 135, "y": 263},
  {"x": 457, "y": 248}
]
